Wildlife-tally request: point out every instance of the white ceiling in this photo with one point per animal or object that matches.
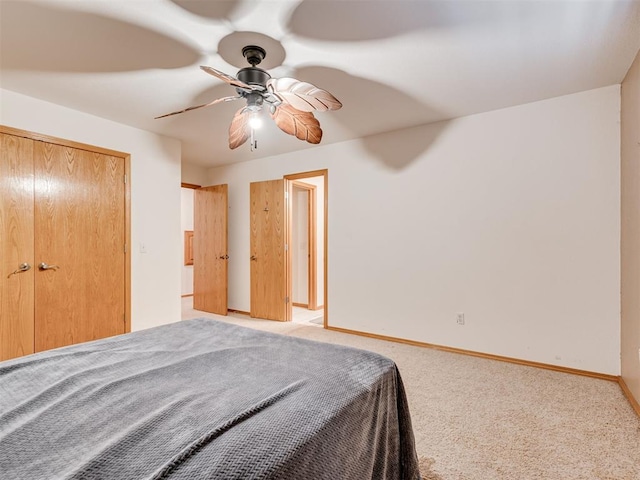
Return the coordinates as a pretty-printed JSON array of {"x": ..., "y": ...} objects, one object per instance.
[{"x": 392, "y": 63}]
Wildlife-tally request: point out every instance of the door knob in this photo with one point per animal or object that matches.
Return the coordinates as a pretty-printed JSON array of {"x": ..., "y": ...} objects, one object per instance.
[
  {"x": 23, "y": 267},
  {"x": 254, "y": 258},
  {"x": 44, "y": 266}
]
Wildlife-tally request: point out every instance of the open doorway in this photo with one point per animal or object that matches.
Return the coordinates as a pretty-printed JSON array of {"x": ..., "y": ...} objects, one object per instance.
[
  {"x": 303, "y": 245},
  {"x": 204, "y": 230},
  {"x": 307, "y": 246},
  {"x": 186, "y": 220}
]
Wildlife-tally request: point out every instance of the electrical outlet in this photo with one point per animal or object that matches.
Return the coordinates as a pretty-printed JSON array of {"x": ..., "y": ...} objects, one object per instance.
[
  {"x": 143, "y": 247},
  {"x": 460, "y": 318}
]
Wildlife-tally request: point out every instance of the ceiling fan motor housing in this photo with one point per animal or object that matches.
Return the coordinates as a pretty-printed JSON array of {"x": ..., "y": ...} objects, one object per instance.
[{"x": 253, "y": 76}]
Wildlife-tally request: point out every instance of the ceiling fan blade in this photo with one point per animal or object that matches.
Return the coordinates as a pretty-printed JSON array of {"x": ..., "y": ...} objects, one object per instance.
[
  {"x": 303, "y": 96},
  {"x": 219, "y": 100},
  {"x": 303, "y": 125},
  {"x": 230, "y": 80},
  {"x": 238, "y": 130}
]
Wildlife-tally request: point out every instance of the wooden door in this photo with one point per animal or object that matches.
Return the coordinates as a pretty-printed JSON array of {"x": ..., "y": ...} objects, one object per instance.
[
  {"x": 16, "y": 246},
  {"x": 80, "y": 233},
  {"x": 210, "y": 254},
  {"x": 268, "y": 251}
]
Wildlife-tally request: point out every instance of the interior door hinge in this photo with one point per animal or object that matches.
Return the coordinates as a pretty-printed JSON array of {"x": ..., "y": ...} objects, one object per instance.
[
  {"x": 125, "y": 248},
  {"x": 286, "y": 195},
  {"x": 286, "y": 299},
  {"x": 286, "y": 247},
  {"x": 125, "y": 178}
]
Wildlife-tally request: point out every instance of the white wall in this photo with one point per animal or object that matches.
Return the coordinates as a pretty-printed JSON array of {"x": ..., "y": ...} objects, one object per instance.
[
  {"x": 186, "y": 221},
  {"x": 630, "y": 233},
  {"x": 194, "y": 174},
  {"x": 155, "y": 197},
  {"x": 511, "y": 216}
]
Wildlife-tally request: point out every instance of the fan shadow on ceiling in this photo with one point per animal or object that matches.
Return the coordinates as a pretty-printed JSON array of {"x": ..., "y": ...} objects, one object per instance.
[
  {"x": 75, "y": 41},
  {"x": 379, "y": 105},
  {"x": 217, "y": 10},
  {"x": 368, "y": 103},
  {"x": 353, "y": 21}
]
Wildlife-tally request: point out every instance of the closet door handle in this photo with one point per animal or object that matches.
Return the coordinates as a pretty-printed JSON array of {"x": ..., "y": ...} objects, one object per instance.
[
  {"x": 23, "y": 267},
  {"x": 44, "y": 266}
]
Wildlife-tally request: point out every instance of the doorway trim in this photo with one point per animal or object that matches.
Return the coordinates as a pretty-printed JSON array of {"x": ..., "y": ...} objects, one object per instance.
[
  {"x": 289, "y": 181},
  {"x": 312, "y": 288}
]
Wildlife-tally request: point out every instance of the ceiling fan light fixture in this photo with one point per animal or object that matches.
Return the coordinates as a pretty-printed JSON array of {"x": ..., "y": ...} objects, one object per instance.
[
  {"x": 255, "y": 122},
  {"x": 254, "y": 101}
]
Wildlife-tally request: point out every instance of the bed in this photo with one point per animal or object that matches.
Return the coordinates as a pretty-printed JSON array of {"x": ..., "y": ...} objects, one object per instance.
[{"x": 204, "y": 399}]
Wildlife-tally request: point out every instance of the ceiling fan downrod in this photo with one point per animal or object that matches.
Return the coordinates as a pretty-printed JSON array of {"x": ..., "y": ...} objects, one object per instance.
[{"x": 254, "y": 54}]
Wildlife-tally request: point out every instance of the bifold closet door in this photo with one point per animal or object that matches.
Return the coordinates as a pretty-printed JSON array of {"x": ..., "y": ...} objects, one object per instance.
[
  {"x": 79, "y": 219},
  {"x": 16, "y": 246}
]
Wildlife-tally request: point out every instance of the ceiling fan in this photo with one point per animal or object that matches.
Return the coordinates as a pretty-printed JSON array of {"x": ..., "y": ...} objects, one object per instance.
[{"x": 291, "y": 102}]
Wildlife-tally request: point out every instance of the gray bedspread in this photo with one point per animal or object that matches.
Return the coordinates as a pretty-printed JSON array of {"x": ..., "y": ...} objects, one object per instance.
[{"x": 204, "y": 399}]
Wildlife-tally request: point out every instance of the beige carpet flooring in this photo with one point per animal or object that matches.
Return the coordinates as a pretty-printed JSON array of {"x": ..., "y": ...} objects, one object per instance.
[{"x": 478, "y": 419}]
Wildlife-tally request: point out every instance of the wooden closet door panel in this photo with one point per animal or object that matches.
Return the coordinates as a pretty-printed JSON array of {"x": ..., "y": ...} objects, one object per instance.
[
  {"x": 210, "y": 260},
  {"x": 16, "y": 246},
  {"x": 268, "y": 256},
  {"x": 80, "y": 229}
]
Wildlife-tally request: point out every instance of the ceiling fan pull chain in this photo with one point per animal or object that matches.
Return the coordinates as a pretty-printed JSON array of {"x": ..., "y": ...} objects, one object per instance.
[{"x": 253, "y": 141}]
